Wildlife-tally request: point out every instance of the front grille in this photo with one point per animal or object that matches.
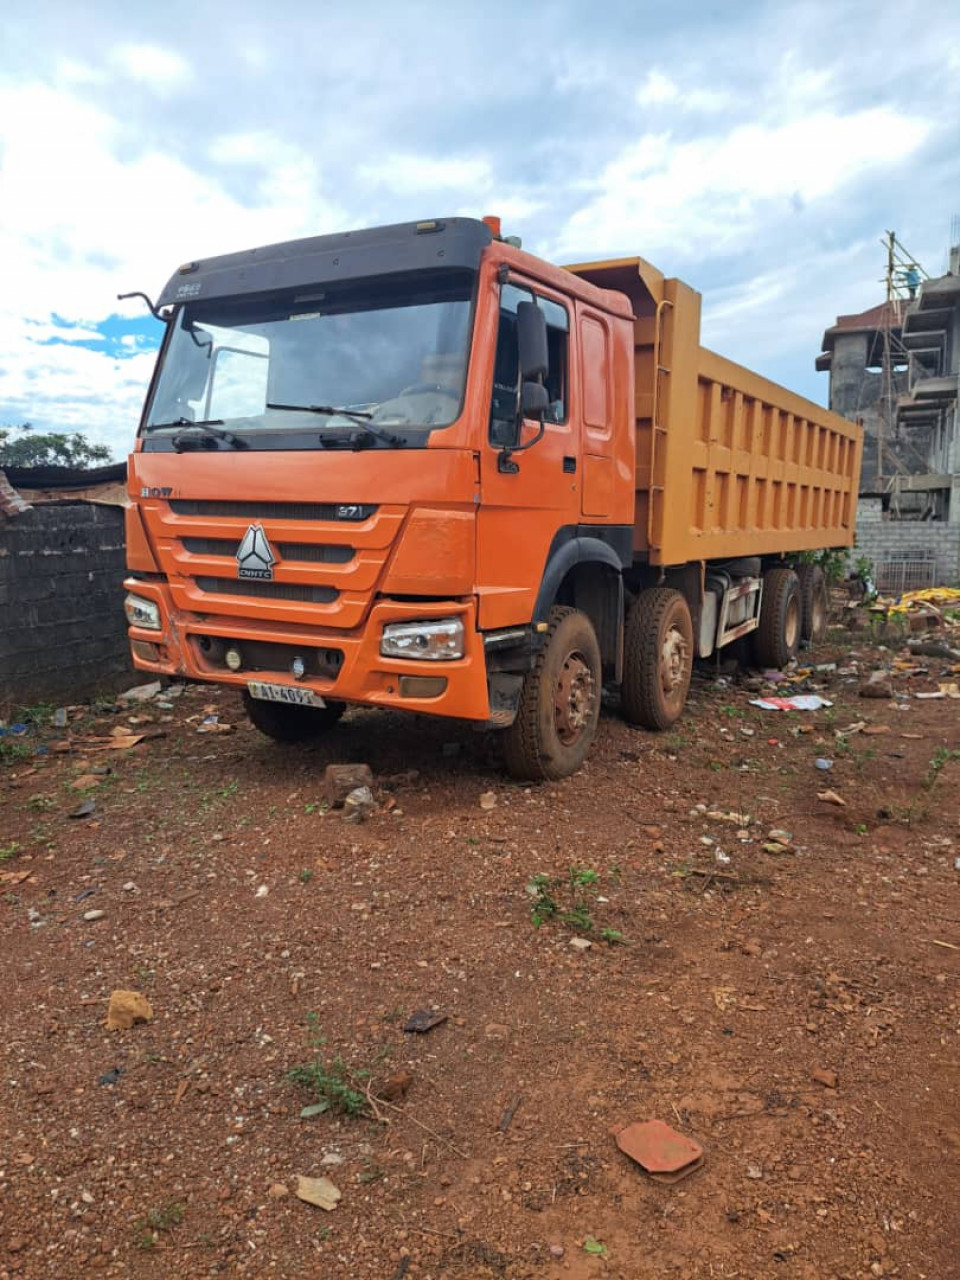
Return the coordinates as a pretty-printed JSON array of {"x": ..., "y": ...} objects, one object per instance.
[
  {"x": 267, "y": 590},
  {"x": 303, "y": 551},
  {"x": 272, "y": 510}
]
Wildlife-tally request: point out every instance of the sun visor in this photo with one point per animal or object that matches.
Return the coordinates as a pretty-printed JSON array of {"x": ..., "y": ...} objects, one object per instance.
[{"x": 437, "y": 244}]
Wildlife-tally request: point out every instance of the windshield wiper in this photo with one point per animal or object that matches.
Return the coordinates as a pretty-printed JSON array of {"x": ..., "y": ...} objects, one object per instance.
[
  {"x": 328, "y": 410},
  {"x": 206, "y": 428},
  {"x": 355, "y": 415}
]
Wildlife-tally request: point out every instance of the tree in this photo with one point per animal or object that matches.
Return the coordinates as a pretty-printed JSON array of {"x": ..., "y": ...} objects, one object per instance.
[{"x": 21, "y": 446}]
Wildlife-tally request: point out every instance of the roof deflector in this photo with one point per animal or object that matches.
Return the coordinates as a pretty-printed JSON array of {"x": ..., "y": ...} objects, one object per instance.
[{"x": 637, "y": 278}]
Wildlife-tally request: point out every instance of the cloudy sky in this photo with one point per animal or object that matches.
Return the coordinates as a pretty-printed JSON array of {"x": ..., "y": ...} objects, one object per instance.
[{"x": 757, "y": 150}]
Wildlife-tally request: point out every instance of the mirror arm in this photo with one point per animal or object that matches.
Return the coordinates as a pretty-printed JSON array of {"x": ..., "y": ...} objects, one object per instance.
[
  {"x": 157, "y": 315},
  {"x": 504, "y": 457}
]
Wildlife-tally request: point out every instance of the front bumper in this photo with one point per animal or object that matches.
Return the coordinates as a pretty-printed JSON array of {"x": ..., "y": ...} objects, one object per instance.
[{"x": 362, "y": 675}]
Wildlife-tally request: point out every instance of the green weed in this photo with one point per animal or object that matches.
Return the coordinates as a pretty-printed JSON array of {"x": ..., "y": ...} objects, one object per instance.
[
  {"x": 569, "y": 899},
  {"x": 225, "y": 792},
  {"x": 942, "y": 756},
  {"x": 41, "y": 713},
  {"x": 335, "y": 1086},
  {"x": 160, "y": 1218}
]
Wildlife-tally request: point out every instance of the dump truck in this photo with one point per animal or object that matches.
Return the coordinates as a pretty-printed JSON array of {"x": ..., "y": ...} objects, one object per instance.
[{"x": 416, "y": 467}]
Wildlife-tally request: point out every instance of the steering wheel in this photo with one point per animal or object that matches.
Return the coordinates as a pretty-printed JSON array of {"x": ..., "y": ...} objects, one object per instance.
[{"x": 429, "y": 388}]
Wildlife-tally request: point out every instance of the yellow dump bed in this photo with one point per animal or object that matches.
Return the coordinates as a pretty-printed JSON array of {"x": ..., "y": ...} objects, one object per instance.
[{"x": 728, "y": 463}]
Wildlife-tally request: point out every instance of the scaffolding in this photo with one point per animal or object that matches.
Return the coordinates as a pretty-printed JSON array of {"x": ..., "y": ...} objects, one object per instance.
[{"x": 902, "y": 279}]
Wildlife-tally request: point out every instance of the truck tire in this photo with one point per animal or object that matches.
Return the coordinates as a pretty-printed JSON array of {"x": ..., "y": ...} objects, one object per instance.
[
  {"x": 814, "y": 603},
  {"x": 285, "y": 723},
  {"x": 559, "y": 703},
  {"x": 657, "y": 658},
  {"x": 777, "y": 638}
]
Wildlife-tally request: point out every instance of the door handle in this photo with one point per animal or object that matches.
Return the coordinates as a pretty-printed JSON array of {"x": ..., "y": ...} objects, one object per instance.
[{"x": 569, "y": 466}]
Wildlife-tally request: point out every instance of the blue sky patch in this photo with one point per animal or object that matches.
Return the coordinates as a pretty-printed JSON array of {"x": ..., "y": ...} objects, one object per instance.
[{"x": 117, "y": 336}]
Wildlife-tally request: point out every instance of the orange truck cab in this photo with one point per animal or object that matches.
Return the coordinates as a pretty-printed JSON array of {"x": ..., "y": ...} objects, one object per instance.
[{"x": 416, "y": 467}]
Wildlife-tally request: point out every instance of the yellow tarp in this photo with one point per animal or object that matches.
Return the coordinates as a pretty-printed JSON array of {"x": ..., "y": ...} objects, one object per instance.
[{"x": 941, "y": 597}]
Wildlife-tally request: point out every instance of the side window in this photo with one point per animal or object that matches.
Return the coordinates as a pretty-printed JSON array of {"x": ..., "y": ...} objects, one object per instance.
[
  {"x": 558, "y": 345},
  {"x": 506, "y": 370}
]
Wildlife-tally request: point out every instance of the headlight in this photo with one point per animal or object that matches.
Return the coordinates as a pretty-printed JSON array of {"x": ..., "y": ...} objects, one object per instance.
[
  {"x": 142, "y": 613},
  {"x": 435, "y": 641}
]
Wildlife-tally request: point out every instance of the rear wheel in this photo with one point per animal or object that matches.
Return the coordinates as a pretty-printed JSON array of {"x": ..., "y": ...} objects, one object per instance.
[
  {"x": 657, "y": 658},
  {"x": 559, "y": 703},
  {"x": 814, "y": 603},
  {"x": 777, "y": 638},
  {"x": 286, "y": 723}
]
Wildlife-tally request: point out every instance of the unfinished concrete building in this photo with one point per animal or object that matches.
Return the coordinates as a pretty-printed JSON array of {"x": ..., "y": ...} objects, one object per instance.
[{"x": 896, "y": 368}]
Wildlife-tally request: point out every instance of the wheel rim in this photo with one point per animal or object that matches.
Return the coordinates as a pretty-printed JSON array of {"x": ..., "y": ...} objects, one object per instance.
[
  {"x": 674, "y": 653},
  {"x": 573, "y": 705},
  {"x": 791, "y": 624}
]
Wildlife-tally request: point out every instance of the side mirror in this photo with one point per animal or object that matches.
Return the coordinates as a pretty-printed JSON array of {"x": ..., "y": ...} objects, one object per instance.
[
  {"x": 532, "y": 342},
  {"x": 534, "y": 400}
]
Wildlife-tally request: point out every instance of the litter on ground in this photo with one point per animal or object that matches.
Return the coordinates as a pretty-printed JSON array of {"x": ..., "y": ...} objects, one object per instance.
[{"x": 799, "y": 702}]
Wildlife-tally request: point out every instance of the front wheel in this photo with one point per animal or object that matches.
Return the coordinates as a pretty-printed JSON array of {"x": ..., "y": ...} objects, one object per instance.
[
  {"x": 657, "y": 658},
  {"x": 559, "y": 703},
  {"x": 287, "y": 723}
]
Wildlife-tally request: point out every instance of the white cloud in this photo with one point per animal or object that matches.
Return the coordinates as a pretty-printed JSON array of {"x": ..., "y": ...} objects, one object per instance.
[
  {"x": 761, "y": 149},
  {"x": 39, "y": 331},
  {"x": 160, "y": 69},
  {"x": 408, "y": 173},
  {"x": 72, "y": 388},
  {"x": 70, "y": 71},
  {"x": 710, "y": 194},
  {"x": 244, "y": 148},
  {"x": 657, "y": 89},
  {"x": 88, "y": 214}
]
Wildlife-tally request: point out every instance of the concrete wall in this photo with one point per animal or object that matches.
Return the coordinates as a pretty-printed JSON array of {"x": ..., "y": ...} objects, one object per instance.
[
  {"x": 62, "y": 627},
  {"x": 879, "y": 540}
]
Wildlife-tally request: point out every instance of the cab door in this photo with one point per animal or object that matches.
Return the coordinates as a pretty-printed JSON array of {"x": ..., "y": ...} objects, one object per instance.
[{"x": 521, "y": 513}]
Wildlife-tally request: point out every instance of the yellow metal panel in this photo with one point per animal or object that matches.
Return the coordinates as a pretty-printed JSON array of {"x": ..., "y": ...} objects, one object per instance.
[
  {"x": 728, "y": 463},
  {"x": 637, "y": 278},
  {"x": 744, "y": 467}
]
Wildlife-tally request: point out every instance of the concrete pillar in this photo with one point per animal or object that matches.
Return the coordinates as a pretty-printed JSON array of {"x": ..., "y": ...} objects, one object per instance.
[{"x": 847, "y": 365}]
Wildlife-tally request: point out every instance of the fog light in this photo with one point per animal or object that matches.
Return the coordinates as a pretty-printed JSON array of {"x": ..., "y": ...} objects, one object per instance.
[
  {"x": 234, "y": 659},
  {"x": 145, "y": 651},
  {"x": 422, "y": 686},
  {"x": 298, "y": 667}
]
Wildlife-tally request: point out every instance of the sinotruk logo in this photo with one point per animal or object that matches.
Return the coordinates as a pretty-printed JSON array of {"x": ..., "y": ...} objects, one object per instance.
[{"x": 255, "y": 558}]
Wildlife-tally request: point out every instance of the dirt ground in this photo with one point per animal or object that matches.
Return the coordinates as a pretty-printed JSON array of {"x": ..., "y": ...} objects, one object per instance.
[{"x": 790, "y": 1003}]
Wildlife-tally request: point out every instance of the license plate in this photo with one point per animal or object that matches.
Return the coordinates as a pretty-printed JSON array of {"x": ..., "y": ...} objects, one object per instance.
[{"x": 284, "y": 693}]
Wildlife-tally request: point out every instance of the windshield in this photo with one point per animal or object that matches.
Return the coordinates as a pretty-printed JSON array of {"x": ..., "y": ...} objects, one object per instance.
[{"x": 322, "y": 362}]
